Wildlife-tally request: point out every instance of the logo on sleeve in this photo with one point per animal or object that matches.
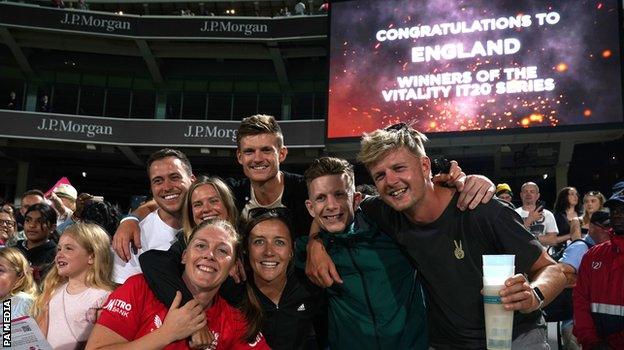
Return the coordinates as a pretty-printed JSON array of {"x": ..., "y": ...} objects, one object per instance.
[
  {"x": 258, "y": 338},
  {"x": 301, "y": 307},
  {"x": 118, "y": 306},
  {"x": 596, "y": 265}
]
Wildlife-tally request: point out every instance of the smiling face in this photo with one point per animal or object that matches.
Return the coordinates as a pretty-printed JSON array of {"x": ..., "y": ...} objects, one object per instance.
[
  {"x": 206, "y": 203},
  {"x": 169, "y": 181},
  {"x": 72, "y": 260},
  {"x": 8, "y": 278},
  {"x": 260, "y": 155},
  {"x": 35, "y": 227},
  {"x": 400, "y": 179},
  {"x": 208, "y": 259},
  {"x": 7, "y": 226},
  {"x": 332, "y": 202},
  {"x": 270, "y": 251}
]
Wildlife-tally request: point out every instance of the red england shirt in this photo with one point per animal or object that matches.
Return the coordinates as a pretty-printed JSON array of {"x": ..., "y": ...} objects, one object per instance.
[{"x": 133, "y": 311}]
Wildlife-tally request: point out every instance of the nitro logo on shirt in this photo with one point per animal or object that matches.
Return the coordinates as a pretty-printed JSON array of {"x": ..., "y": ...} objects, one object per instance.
[
  {"x": 215, "y": 341},
  {"x": 118, "y": 306}
]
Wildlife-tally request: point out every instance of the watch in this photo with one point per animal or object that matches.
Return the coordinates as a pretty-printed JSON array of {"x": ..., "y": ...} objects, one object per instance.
[{"x": 539, "y": 295}]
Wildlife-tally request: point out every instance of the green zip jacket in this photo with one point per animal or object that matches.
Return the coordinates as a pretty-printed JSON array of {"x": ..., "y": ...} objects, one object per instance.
[{"x": 380, "y": 304}]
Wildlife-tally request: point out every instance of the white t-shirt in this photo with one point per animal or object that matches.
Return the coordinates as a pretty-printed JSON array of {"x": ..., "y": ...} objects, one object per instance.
[
  {"x": 155, "y": 234},
  {"x": 72, "y": 316},
  {"x": 541, "y": 226},
  {"x": 20, "y": 304}
]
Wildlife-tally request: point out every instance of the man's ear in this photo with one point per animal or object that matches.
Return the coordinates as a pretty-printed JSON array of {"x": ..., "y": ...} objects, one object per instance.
[
  {"x": 283, "y": 152},
  {"x": 425, "y": 163},
  {"x": 357, "y": 199},
  {"x": 310, "y": 207},
  {"x": 193, "y": 178},
  {"x": 239, "y": 156}
]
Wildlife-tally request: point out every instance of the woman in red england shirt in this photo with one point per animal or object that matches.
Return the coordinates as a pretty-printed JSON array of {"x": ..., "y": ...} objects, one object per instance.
[{"x": 133, "y": 318}]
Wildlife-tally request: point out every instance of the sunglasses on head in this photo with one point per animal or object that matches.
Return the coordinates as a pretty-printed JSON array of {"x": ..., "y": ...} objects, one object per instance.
[
  {"x": 396, "y": 127},
  {"x": 256, "y": 213}
]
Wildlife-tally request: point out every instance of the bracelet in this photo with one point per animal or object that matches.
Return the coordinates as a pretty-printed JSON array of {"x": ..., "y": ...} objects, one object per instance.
[{"x": 130, "y": 217}]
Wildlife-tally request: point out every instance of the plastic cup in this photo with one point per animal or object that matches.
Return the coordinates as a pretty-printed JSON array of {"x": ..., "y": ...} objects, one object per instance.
[{"x": 498, "y": 321}]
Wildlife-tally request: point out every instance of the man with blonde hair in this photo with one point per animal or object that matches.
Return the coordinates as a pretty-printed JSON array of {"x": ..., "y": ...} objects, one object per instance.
[{"x": 447, "y": 244}]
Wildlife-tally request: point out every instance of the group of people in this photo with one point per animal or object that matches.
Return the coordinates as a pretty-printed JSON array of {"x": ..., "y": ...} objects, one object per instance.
[
  {"x": 568, "y": 233},
  {"x": 287, "y": 261}
]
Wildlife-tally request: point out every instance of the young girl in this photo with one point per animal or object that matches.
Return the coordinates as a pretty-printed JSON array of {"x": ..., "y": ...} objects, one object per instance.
[
  {"x": 16, "y": 282},
  {"x": 76, "y": 287}
]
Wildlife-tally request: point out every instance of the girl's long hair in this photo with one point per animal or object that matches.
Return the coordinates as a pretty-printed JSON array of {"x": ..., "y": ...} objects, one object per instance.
[
  {"x": 17, "y": 261},
  {"x": 97, "y": 243}
]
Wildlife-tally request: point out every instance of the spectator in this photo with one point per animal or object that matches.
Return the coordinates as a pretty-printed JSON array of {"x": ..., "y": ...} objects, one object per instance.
[
  {"x": 39, "y": 246},
  {"x": 44, "y": 104},
  {"x": 63, "y": 199},
  {"x": 599, "y": 296},
  {"x": 566, "y": 212},
  {"x": 284, "y": 11},
  {"x": 213, "y": 246},
  {"x": 540, "y": 221},
  {"x": 592, "y": 202},
  {"x": 560, "y": 310},
  {"x": 7, "y": 226},
  {"x": 12, "y": 103},
  {"x": 17, "y": 282},
  {"x": 103, "y": 213},
  {"x": 503, "y": 192},
  {"x": 366, "y": 189},
  {"x": 58, "y": 4},
  {"x": 300, "y": 8},
  {"x": 324, "y": 7},
  {"x": 28, "y": 199},
  {"x": 76, "y": 287},
  {"x": 82, "y": 5}
]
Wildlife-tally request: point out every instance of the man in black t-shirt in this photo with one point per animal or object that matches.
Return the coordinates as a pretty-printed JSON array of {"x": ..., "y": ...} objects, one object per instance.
[{"x": 447, "y": 243}]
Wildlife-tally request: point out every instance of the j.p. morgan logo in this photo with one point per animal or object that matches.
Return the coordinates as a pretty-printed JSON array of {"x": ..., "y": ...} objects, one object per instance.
[
  {"x": 227, "y": 26},
  {"x": 205, "y": 131},
  {"x": 89, "y": 130},
  {"x": 83, "y": 20}
]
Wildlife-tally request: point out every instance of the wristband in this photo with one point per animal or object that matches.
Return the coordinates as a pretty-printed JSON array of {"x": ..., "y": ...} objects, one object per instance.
[
  {"x": 130, "y": 217},
  {"x": 539, "y": 295}
]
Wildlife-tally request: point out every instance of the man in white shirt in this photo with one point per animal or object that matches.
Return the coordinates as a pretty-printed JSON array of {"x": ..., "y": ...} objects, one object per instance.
[
  {"x": 170, "y": 174},
  {"x": 540, "y": 221}
]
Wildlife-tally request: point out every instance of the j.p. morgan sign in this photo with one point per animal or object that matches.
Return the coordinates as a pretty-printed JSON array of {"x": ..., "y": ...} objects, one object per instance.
[
  {"x": 177, "y": 27},
  {"x": 141, "y": 132}
]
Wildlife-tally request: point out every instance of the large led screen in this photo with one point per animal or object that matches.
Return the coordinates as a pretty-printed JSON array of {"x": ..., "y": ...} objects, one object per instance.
[{"x": 449, "y": 66}]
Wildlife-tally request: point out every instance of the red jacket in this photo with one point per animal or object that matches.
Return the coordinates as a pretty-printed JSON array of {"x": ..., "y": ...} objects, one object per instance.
[{"x": 599, "y": 296}]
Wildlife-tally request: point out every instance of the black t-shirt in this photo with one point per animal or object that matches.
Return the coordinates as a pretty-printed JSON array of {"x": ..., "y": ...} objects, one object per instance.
[{"x": 453, "y": 280}]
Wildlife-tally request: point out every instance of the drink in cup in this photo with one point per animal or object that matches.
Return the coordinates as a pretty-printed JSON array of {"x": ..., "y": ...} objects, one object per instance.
[{"x": 498, "y": 321}]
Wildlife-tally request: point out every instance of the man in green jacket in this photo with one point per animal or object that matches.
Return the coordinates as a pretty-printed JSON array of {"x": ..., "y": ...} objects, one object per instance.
[{"x": 380, "y": 303}]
